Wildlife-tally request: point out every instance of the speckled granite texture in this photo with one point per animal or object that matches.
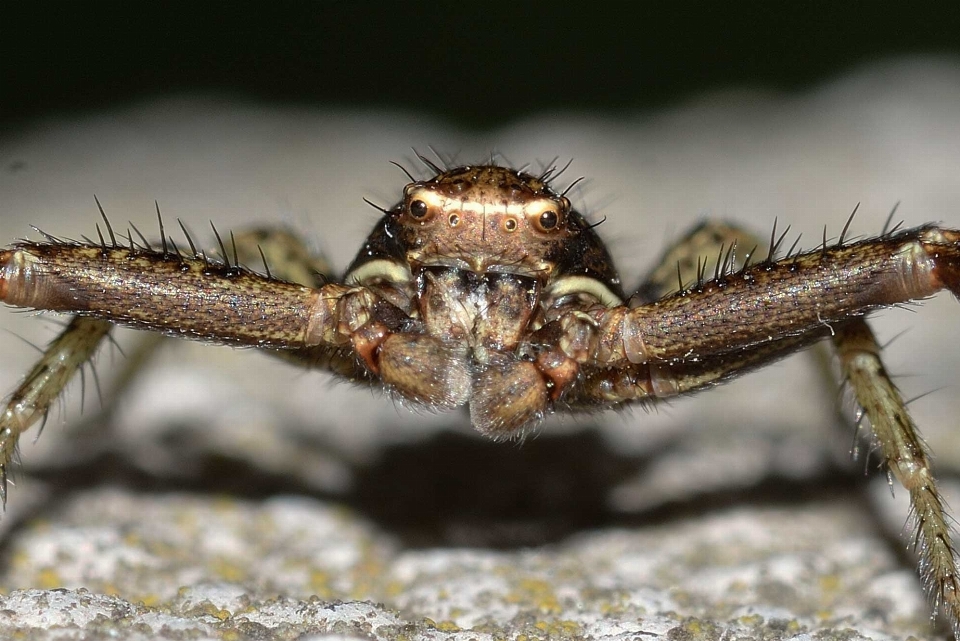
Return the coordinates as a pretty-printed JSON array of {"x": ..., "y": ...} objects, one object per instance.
[
  {"x": 183, "y": 566},
  {"x": 220, "y": 494}
]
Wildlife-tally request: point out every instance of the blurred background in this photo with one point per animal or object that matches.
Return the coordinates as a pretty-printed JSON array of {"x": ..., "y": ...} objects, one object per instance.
[{"x": 475, "y": 65}]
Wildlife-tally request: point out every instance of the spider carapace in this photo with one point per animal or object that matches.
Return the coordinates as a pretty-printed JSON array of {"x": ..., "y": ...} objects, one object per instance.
[{"x": 484, "y": 288}]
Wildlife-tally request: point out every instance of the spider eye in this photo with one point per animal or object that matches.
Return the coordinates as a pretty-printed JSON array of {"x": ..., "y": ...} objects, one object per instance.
[
  {"x": 418, "y": 209},
  {"x": 548, "y": 220},
  {"x": 510, "y": 224}
]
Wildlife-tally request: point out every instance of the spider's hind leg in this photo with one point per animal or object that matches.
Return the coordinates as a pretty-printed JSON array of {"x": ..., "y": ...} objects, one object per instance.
[
  {"x": 707, "y": 249},
  {"x": 43, "y": 384},
  {"x": 906, "y": 456},
  {"x": 281, "y": 253}
]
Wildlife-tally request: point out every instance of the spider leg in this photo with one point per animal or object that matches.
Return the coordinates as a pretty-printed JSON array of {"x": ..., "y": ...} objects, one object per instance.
[
  {"x": 281, "y": 252},
  {"x": 682, "y": 262},
  {"x": 352, "y": 329},
  {"x": 713, "y": 330},
  {"x": 906, "y": 456},
  {"x": 292, "y": 311},
  {"x": 679, "y": 268},
  {"x": 416, "y": 365},
  {"x": 31, "y": 400},
  {"x": 186, "y": 296},
  {"x": 765, "y": 302},
  {"x": 651, "y": 381}
]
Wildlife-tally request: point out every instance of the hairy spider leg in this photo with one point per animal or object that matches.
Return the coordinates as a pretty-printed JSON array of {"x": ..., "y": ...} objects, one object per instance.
[
  {"x": 281, "y": 253},
  {"x": 905, "y": 455}
]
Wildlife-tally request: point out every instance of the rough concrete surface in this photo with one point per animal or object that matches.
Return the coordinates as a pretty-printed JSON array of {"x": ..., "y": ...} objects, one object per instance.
[
  {"x": 221, "y": 494},
  {"x": 181, "y": 566}
]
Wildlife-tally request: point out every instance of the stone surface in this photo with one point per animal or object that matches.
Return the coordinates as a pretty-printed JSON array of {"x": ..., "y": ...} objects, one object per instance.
[{"x": 170, "y": 566}]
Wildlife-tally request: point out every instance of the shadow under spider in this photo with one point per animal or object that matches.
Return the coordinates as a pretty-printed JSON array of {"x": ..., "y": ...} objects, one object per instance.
[{"x": 458, "y": 490}]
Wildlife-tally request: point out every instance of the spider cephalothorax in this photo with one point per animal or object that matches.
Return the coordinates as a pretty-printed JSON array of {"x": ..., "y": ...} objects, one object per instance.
[
  {"x": 488, "y": 219},
  {"x": 478, "y": 259},
  {"x": 484, "y": 288}
]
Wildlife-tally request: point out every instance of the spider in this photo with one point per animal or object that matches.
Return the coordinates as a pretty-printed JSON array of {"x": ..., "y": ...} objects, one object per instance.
[{"x": 483, "y": 287}]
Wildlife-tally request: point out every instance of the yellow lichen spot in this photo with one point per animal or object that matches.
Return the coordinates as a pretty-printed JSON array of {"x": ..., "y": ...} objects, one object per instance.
[
  {"x": 699, "y": 630},
  {"x": 830, "y": 583},
  {"x": 319, "y": 583},
  {"x": 693, "y": 626},
  {"x": 20, "y": 559},
  {"x": 151, "y": 600},
  {"x": 737, "y": 586},
  {"x": 445, "y": 626},
  {"x": 563, "y": 629},
  {"x": 751, "y": 620},
  {"x": 186, "y": 520},
  {"x": 793, "y": 626},
  {"x": 394, "y": 588},
  {"x": 825, "y": 615},
  {"x": 48, "y": 579},
  {"x": 227, "y": 571},
  {"x": 366, "y": 577},
  {"x": 209, "y": 609},
  {"x": 162, "y": 549},
  {"x": 536, "y": 592}
]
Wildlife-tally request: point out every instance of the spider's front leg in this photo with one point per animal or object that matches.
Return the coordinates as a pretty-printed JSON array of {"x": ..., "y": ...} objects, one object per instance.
[
  {"x": 290, "y": 311},
  {"x": 750, "y": 316}
]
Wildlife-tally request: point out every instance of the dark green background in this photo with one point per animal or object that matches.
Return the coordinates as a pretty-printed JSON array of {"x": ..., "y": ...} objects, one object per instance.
[{"x": 477, "y": 64}]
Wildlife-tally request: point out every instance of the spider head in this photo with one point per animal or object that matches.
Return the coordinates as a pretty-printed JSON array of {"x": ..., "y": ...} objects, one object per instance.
[
  {"x": 487, "y": 220},
  {"x": 484, "y": 219}
]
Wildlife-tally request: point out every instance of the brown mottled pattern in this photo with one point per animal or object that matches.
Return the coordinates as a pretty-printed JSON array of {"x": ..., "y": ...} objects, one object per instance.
[
  {"x": 168, "y": 294},
  {"x": 772, "y": 300}
]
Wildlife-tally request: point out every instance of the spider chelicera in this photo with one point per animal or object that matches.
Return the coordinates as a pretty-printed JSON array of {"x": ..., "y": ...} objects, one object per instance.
[{"x": 484, "y": 288}]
